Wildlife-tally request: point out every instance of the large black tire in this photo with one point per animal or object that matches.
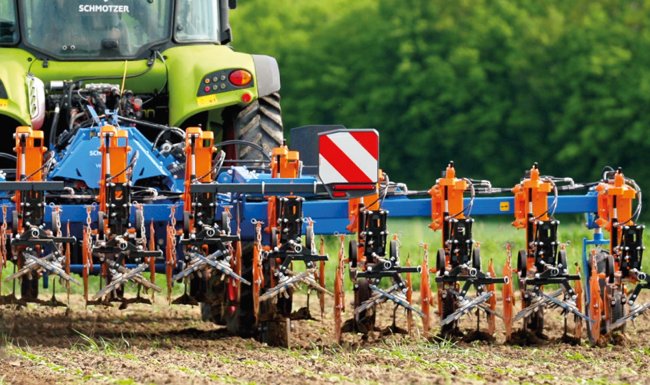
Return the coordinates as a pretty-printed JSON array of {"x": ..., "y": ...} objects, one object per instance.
[{"x": 260, "y": 122}]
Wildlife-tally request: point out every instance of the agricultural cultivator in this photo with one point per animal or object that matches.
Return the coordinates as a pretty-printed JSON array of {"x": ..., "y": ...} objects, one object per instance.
[
  {"x": 609, "y": 272},
  {"x": 459, "y": 259},
  {"x": 144, "y": 145},
  {"x": 544, "y": 261}
]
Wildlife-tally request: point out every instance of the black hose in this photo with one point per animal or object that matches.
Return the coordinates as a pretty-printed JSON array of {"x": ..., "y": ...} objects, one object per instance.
[
  {"x": 8, "y": 156},
  {"x": 55, "y": 123},
  {"x": 146, "y": 124}
]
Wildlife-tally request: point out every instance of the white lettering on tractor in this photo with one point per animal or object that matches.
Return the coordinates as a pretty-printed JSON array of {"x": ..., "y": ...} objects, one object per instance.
[{"x": 103, "y": 8}]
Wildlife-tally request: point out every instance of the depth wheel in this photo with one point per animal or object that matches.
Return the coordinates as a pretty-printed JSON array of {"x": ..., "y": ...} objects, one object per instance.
[
  {"x": 476, "y": 259},
  {"x": 353, "y": 251},
  {"x": 365, "y": 323},
  {"x": 441, "y": 262},
  {"x": 448, "y": 307},
  {"x": 522, "y": 266},
  {"x": 562, "y": 262},
  {"x": 394, "y": 250}
]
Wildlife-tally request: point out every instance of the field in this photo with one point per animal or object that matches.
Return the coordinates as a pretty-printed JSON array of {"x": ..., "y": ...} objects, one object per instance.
[{"x": 163, "y": 344}]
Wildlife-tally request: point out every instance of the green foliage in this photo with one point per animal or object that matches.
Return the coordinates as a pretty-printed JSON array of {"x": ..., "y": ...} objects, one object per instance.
[{"x": 493, "y": 85}]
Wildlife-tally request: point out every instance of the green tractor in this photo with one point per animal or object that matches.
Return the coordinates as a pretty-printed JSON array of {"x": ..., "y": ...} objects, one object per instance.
[
  {"x": 173, "y": 55},
  {"x": 168, "y": 62}
]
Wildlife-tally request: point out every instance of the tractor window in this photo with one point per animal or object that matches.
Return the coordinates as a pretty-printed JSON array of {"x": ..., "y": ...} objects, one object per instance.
[
  {"x": 8, "y": 30},
  {"x": 197, "y": 21},
  {"x": 93, "y": 29}
]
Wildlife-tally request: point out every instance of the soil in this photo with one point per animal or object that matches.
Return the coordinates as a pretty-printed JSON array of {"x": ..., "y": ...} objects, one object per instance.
[{"x": 171, "y": 345}]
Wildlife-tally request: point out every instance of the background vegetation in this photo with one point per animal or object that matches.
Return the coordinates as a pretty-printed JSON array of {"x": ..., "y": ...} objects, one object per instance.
[{"x": 494, "y": 85}]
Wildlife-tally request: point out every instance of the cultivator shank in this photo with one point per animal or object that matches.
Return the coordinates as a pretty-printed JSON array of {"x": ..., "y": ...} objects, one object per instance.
[
  {"x": 544, "y": 261},
  {"x": 458, "y": 263},
  {"x": 611, "y": 304}
]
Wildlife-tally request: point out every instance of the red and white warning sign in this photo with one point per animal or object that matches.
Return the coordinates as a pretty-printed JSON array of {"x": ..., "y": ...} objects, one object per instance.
[{"x": 349, "y": 159}]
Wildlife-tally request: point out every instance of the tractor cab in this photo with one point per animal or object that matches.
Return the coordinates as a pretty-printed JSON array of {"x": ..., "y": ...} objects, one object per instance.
[{"x": 111, "y": 29}]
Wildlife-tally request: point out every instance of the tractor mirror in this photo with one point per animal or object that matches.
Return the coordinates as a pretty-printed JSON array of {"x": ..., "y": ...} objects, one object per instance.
[
  {"x": 348, "y": 162},
  {"x": 224, "y": 17}
]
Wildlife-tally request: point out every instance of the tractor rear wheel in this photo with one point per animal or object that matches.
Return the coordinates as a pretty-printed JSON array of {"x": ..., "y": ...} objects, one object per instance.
[{"x": 260, "y": 123}]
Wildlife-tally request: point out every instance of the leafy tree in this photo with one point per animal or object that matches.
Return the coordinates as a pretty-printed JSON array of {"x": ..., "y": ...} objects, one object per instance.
[{"x": 494, "y": 85}]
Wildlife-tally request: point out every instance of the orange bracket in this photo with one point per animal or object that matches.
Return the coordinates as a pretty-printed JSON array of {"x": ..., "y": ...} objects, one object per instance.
[
  {"x": 447, "y": 198},
  {"x": 615, "y": 200},
  {"x": 115, "y": 151},
  {"x": 29, "y": 161},
  {"x": 531, "y": 197},
  {"x": 199, "y": 150}
]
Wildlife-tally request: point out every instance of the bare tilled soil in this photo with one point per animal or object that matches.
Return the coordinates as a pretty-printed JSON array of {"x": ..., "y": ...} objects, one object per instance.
[{"x": 171, "y": 345}]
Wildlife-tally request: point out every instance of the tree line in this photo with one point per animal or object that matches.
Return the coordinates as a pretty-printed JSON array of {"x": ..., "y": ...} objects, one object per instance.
[{"x": 494, "y": 85}]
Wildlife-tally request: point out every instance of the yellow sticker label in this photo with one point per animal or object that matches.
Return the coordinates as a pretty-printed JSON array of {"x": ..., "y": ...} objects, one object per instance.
[
  {"x": 206, "y": 100},
  {"x": 504, "y": 206},
  {"x": 4, "y": 103}
]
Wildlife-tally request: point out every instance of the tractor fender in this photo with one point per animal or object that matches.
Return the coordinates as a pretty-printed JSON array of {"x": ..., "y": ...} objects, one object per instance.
[
  {"x": 14, "y": 100},
  {"x": 267, "y": 75}
]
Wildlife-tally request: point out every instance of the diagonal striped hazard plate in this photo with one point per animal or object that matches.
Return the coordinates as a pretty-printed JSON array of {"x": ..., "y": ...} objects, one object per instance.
[{"x": 349, "y": 160}]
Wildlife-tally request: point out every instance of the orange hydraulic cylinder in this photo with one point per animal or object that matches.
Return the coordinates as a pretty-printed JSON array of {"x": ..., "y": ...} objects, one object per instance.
[
  {"x": 531, "y": 197},
  {"x": 29, "y": 153},
  {"x": 199, "y": 149},
  {"x": 29, "y": 160},
  {"x": 615, "y": 200},
  {"x": 447, "y": 198}
]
